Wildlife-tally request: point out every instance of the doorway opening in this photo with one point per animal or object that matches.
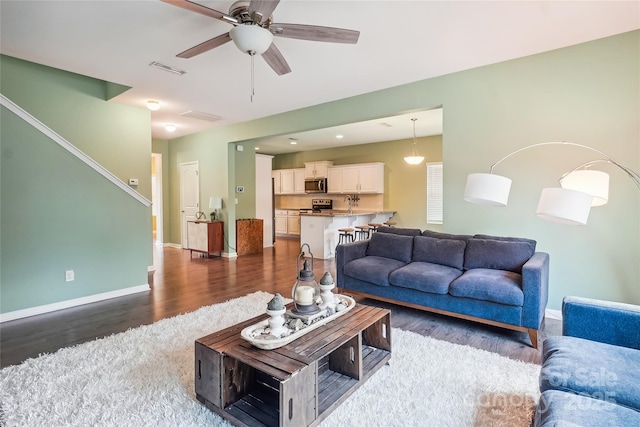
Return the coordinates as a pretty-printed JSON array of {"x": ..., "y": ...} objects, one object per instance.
[{"x": 156, "y": 199}]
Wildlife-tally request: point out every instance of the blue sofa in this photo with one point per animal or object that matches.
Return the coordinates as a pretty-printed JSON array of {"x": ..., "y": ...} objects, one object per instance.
[
  {"x": 590, "y": 375},
  {"x": 499, "y": 281}
]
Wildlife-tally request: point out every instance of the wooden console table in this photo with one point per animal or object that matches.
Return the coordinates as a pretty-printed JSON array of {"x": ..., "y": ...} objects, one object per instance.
[
  {"x": 298, "y": 384},
  {"x": 206, "y": 237}
]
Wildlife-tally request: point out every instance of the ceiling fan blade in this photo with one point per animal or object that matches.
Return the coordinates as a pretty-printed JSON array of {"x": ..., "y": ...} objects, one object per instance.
[
  {"x": 315, "y": 33},
  {"x": 264, "y": 7},
  {"x": 276, "y": 61},
  {"x": 205, "y": 46},
  {"x": 198, "y": 8}
]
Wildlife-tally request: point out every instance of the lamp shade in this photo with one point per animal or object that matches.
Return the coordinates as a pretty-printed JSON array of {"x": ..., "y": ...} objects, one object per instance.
[
  {"x": 564, "y": 206},
  {"x": 251, "y": 39},
  {"x": 487, "y": 189},
  {"x": 414, "y": 160},
  {"x": 591, "y": 182},
  {"x": 215, "y": 203}
]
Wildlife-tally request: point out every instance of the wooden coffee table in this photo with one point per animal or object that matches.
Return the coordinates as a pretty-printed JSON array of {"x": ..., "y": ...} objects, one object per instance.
[{"x": 298, "y": 384}]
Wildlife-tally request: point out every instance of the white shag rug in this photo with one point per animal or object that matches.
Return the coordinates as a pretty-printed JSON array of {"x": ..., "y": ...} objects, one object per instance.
[{"x": 145, "y": 377}]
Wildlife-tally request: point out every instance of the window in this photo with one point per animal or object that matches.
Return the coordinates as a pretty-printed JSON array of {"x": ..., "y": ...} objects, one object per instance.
[{"x": 434, "y": 193}]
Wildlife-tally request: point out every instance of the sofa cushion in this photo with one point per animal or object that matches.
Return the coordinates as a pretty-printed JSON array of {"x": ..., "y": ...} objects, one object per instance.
[
  {"x": 504, "y": 287},
  {"x": 530, "y": 242},
  {"x": 557, "y": 408},
  {"x": 438, "y": 235},
  {"x": 591, "y": 368},
  {"x": 447, "y": 252},
  {"x": 399, "y": 230},
  {"x": 425, "y": 277},
  {"x": 497, "y": 254},
  {"x": 372, "y": 269},
  {"x": 394, "y": 246}
]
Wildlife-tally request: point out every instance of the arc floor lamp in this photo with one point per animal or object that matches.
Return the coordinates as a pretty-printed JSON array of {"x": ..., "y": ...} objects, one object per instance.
[{"x": 580, "y": 189}]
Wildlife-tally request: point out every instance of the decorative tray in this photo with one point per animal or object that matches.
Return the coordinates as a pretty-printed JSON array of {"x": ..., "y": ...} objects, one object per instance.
[{"x": 258, "y": 334}]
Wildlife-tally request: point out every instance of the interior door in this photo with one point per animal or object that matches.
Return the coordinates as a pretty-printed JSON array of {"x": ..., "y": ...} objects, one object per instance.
[{"x": 189, "y": 198}]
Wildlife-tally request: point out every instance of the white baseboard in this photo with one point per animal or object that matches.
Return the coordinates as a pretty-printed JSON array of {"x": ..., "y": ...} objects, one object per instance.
[
  {"x": 173, "y": 245},
  {"x": 553, "y": 314},
  {"x": 33, "y": 311},
  {"x": 229, "y": 255}
]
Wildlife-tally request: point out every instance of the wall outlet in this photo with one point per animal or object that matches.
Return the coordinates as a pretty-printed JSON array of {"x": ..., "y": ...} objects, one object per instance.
[
  {"x": 69, "y": 276},
  {"x": 240, "y": 189}
]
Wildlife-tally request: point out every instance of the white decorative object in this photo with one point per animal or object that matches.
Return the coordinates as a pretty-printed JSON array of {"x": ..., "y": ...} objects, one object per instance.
[
  {"x": 276, "y": 322},
  {"x": 326, "y": 287},
  {"x": 258, "y": 335}
]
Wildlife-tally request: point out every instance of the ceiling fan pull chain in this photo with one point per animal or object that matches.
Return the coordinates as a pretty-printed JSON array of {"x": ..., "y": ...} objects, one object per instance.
[{"x": 253, "y": 92}]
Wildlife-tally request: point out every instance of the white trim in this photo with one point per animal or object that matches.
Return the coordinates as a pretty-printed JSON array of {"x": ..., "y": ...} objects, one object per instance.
[
  {"x": 230, "y": 255},
  {"x": 553, "y": 314},
  {"x": 33, "y": 311},
  {"x": 172, "y": 245},
  {"x": 72, "y": 149}
]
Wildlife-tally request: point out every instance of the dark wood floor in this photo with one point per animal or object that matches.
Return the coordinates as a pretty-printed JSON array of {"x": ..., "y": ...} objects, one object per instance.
[{"x": 182, "y": 284}]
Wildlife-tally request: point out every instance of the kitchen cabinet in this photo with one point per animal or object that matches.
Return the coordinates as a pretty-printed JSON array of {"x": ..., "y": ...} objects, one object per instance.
[
  {"x": 356, "y": 179},
  {"x": 317, "y": 169},
  {"x": 288, "y": 181},
  {"x": 298, "y": 181},
  {"x": 205, "y": 237},
  {"x": 287, "y": 222}
]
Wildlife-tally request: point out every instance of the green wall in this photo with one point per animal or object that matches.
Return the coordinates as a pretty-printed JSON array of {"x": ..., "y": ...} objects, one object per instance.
[
  {"x": 58, "y": 214},
  {"x": 161, "y": 146},
  {"x": 588, "y": 94}
]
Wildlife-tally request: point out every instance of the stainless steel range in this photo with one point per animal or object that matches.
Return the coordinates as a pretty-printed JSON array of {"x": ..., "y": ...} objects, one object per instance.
[{"x": 319, "y": 205}]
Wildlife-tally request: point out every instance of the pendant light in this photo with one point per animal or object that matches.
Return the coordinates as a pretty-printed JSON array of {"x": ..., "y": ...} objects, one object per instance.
[{"x": 414, "y": 158}]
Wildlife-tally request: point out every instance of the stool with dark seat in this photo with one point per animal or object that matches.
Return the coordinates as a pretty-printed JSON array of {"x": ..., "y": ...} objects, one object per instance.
[
  {"x": 374, "y": 226},
  {"x": 346, "y": 235},
  {"x": 362, "y": 232}
]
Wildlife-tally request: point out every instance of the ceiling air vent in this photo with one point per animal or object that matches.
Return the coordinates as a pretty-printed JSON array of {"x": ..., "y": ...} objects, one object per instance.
[
  {"x": 167, "y": 68},
  {"x": 201, "y": 116}
]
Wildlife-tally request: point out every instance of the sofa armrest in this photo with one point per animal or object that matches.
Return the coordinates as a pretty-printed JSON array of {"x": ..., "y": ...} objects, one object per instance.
[
  {"x": 535, "y": 286},
  {"x": 346, "y": 253},
  {"x": 604, "y": 321}
]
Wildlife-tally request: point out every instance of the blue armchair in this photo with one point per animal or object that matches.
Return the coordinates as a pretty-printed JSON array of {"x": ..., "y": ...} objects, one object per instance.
[{"x": 590, "y": 376}]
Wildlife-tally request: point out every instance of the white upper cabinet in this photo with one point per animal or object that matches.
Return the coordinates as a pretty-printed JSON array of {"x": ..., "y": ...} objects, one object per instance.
[
  {"x": 316, "y": 169},
  {"x": 356, "y": 179},
  {"x": 288, "y": 181},
  {"x": 298, "y": 181}
]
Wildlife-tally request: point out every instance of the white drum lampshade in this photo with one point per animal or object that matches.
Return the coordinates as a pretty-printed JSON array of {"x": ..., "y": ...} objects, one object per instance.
[
  {"x": 591, "y": 182},
  {"x": 251, "y": 39},
  {"x": 487, "y": 189},
  {"x": 564, "y": 206}
]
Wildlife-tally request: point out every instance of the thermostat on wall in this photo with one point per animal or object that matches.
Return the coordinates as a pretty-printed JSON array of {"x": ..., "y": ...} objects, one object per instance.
[
  {"x": 133, "y": 181},
  {"x": 240, "y": 189}
]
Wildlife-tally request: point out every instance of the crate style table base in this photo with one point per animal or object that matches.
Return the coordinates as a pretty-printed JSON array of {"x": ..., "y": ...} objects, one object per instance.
[{"x": 298, "y": 384}]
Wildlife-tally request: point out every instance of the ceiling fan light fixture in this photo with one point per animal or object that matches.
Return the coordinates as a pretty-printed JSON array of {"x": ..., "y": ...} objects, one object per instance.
[{"x": 251, "y": 39}]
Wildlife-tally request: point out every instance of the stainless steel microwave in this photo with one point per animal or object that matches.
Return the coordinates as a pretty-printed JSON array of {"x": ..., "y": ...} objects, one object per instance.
[{"x": 315, "y": 185}]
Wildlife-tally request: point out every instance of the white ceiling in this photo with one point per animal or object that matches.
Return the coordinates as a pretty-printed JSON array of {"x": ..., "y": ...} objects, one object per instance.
[{"x": 400, "y": 42}]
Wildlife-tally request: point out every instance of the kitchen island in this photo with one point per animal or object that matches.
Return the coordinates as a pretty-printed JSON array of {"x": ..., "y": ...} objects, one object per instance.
[{"x": 320, "y": 229}]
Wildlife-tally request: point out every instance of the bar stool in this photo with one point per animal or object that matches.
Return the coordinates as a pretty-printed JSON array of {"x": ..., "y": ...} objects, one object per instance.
[
  {"x": 374, "y": 226},
  {"x": 345, "y": 236},
  {"x": 362, "y": 232},
  {"x": 390, "y": 223}
]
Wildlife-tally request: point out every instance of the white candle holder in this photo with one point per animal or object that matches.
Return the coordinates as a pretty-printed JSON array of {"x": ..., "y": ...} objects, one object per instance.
[{"x": 276, "y": 322}]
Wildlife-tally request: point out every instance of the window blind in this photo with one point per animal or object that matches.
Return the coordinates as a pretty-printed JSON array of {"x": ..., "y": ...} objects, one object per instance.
[{"x": 434, "y": 193}]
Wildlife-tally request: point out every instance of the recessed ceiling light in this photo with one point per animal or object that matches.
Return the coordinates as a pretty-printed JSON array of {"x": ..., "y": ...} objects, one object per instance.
[
  {"x": 339, "y": 136},
  {"x": 170, "y": 127},
  {"x": 257, "y": 148},
  {"x": 293, "y": 141},
  {"x": 153, "y": 105}
]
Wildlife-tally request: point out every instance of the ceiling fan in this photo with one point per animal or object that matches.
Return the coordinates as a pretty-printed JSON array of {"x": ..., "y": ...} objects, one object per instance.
[{"x": 253, "y": 31}]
